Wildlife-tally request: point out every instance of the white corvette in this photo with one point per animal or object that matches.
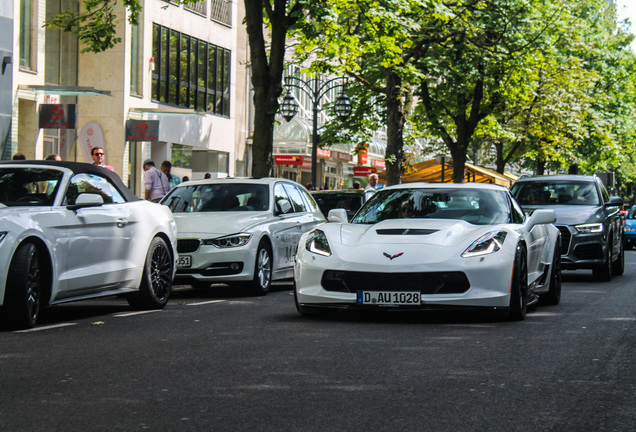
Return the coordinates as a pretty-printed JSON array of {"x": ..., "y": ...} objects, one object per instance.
[
  {"x": 73, "y": 231},
  {"x": 431, "y": 246}
]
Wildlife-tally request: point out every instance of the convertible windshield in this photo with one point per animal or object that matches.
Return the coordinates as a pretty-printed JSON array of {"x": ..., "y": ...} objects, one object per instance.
[
  {"x": 218, "y": 197},
  {"x": 28, "y": 186},
  {"x": 476, "y": 206},
  {"x": 556, "y": 192}
]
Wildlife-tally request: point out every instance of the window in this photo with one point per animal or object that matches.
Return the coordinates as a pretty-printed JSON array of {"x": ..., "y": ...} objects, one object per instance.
[
  {"x": 221, "y": 12},
  {"x": 28, "y": 12},
  {"x": 135, "y": 61},
  {"x": 190, "y": 73},
  {"x": 281, "y": 200},
  {"x": 91, "y": 183}
]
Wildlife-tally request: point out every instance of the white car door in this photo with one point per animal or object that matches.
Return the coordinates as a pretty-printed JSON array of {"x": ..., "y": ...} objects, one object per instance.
[
  {"x": 95, "y": 241},
  {"x": 285, "y": 229}
]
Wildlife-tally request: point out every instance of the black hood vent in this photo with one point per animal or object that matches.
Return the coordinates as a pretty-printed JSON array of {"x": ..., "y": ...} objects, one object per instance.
[{"x": 406, "y": 231}]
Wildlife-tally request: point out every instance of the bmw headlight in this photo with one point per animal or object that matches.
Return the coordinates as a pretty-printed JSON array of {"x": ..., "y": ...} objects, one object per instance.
[
  {"x": 589, "y": 228},
  {"x": 234, "y": 240},
  {"x": 317, "y": 243},
  {"x": 488, "y": 243}
]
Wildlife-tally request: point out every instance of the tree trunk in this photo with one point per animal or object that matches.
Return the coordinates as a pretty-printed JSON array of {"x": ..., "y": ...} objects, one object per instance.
[
  {"x": 395, "y": 120},
  {"x": 540, "y": 167}
]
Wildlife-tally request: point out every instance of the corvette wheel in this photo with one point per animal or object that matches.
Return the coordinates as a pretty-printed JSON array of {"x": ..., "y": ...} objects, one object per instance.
[
  {"x": 262, "y": 281},
  {"x": 553, "y": 296},
  {"x": 24, "y": 287},
  {"x": 156, "y": 281},
  {"x": 618, "y": 266},
  {"x": 519, "y": 287},
  {"x": 603, "y": 272}
]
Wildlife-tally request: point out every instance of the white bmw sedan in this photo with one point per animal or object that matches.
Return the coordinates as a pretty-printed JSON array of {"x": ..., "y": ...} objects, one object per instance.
[
  {"x": 431, "y": 246},
  {"x": 240, "y": 231},
  {"x": 73, "y": 231}
]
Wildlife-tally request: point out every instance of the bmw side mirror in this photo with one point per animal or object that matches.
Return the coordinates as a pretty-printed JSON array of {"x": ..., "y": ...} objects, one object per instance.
[{"x": 283, "y": 206}]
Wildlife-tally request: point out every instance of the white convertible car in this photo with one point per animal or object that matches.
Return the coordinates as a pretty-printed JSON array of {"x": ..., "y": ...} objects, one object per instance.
[
  {"x": 73, "y": 231},
  {"x": 431, "y": 246}
]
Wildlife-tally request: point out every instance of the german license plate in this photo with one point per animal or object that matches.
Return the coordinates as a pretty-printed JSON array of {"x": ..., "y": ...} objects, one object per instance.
[
  {"x": 388, "y": 298},
  {"x": 184, "y": 261}
]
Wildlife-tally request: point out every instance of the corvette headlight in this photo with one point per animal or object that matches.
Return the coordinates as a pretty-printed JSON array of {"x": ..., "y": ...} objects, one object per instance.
[
  {"x": 234, "y": 240},
  {"x": 317, "y": 243},
  {"x": 589, "y": 228},
  {"x": 488, "y": 243}
]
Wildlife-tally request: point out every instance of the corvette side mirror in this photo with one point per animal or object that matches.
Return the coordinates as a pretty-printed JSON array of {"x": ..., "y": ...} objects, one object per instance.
[
  {"x": 337, "y": 215},
  {"x": 541, "y": 217}
]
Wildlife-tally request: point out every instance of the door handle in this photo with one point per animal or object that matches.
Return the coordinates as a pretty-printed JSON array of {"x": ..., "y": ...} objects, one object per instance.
[{"x": 121, "y": 223}]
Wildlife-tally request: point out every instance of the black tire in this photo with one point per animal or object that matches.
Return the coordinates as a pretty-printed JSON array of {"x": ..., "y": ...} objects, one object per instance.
[
  {"x": 618, "y": 266},
  {"x": 553, "y": 296},
  {"x": 156, "y": 281},
  {"x": 262, "y": 281},
  {"x": 603, "y": 272},
  {"x": 519, "y": 287},
  {"x": 24, "y": 287}
]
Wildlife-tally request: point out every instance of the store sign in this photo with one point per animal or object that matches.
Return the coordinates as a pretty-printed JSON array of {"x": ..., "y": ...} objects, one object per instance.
[
  {"x": 306, "y": 164},
  {"x": 323, "y": 153},
  {"x": 344, "y": 156},
  {"x": 142, "y": 130},
  {"x": 58, "y": 116},
  {"x": 363, "y": 158},
  {"x": 363, "y": 171},
  {"x": 379, "y": 163},
  {"x": 288, "y": 160}
]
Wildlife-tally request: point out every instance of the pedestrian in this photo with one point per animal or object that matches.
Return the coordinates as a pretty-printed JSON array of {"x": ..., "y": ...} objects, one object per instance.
[
  {"x": 19, "y": 156},
  {"x": 207, "y": 176},
  {"x": 356, "y": 184},
  {"x": 185, "y": 179},
  {"x": 372, "y": 186},
  {"x": 166, "y": 166},
  {"x": 156, "y": 184},
  {"x": 54, "y": 157},
  {"x": 97, "y": 153},
  {"x": 309, "y": 186}
]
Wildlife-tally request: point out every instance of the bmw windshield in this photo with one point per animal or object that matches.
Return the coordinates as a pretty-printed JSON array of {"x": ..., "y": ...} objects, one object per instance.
[
  {"x": 476, "y": 206},
  {"x": 218, "y": 197}
]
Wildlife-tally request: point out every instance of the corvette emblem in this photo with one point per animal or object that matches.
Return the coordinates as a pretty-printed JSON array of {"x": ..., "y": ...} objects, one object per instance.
[{"x": 393, "y": 256}]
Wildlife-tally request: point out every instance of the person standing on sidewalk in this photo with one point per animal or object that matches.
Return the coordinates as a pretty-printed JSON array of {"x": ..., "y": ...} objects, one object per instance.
[{"x": 156, "y": 184}]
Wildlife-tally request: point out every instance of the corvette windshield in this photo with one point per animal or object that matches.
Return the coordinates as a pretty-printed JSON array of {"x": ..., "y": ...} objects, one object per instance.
[
  {"x": 218, "y": 197},
  {"x": 480, "y": 207},
  {"x": 28, "y": 186}
]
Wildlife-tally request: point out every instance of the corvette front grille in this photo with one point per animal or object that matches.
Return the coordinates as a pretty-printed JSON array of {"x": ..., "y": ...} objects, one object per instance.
[{"x": 426, "y": 282}]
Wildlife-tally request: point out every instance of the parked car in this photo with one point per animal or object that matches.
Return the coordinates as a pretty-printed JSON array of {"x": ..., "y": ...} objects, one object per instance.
[
  {"x": 629, "y": 228},
  {"x": 349, "y": 199},
  {"x": 240, "y": 231},
  {"x": 587, "y": 216},
  {"x": 73, "y": 231},
  {"x": 431, "y": 246}
]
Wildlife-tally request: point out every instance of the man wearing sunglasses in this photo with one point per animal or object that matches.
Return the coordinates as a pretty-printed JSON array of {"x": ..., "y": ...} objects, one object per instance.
[{"x": 97, "y": 153}]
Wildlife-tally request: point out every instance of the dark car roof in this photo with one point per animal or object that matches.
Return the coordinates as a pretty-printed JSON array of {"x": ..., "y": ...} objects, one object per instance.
[
  {"x": 339, "y": 191},
  {"x": 81, "y": 167},
  {"x": 562, "y": 177}
]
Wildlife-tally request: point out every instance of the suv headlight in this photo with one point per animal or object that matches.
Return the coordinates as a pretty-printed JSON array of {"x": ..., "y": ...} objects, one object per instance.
[
  {"x": 234, "y": 240},
  {"x": 589, "y": 228},
  {"x": 317, "y": 243},
  {"x": 488, "y": 243}
]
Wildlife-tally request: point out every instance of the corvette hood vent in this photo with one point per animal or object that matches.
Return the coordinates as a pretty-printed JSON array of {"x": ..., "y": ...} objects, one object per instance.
[{"x": 406, "y": 231}]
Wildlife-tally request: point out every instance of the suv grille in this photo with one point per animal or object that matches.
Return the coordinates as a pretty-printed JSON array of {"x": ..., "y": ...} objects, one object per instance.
[
  {"x": 589, "y": 251},
  {"x": 566, "y": 237},
  {"x": 188, "y": 245},
  {"x": 426, "y": 283}
]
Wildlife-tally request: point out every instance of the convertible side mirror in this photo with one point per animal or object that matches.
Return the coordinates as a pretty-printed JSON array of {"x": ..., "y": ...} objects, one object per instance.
[{"x": 87, "y": 200}]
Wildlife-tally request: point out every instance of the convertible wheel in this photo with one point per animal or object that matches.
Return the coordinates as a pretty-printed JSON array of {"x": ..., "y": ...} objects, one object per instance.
[
  {"x": 519, "y": 287},
  {"x": 156, "y": 281},
  {"x": 618, "y": 266},
  {"x": 603, "y": 272},
  {"x": 24, "y": 287},
  {"x": 262, "y": 281},
  {"x": 553, "y": 296}
]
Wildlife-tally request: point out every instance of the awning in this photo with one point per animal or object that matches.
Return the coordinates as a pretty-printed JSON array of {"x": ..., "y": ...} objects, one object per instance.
[
  {"x": 431, "y": 172},
  {"x": 63, "y": 90},
  {"x": 165, "y": 111}
]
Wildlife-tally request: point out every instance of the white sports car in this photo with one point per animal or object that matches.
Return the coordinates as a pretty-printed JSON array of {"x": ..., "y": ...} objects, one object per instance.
[
  {"x": 431, "y": 246},
  {"x": 73, "y": 231}
]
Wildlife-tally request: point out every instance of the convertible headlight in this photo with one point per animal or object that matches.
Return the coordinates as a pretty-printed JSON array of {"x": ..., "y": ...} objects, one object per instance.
[
  {"x": 317, "y": 243},
  {"x": 488, "y": 243},
  {"x": 589, "y": 228},
  {"x": 234, "y": 240}
]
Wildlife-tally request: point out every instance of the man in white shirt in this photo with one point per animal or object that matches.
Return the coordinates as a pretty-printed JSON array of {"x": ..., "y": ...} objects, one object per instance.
[
  {"x": 372, "y": 187},
  {"x": 156, "y": 184}
]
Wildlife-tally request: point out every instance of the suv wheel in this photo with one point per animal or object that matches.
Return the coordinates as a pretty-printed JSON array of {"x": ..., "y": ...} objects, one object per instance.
[
  {"x": 603, "y": 272},
  {"x": 618, "y": 266}
]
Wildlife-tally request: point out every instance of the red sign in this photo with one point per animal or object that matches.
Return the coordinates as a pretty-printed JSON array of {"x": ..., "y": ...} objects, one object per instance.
[
  {"x": 363, "y": 171},
  {"x": 379, "y": 163},
  {"x": 288, "y": 160},
  {"x": 306, "y": 164},
  {"x": 363, "y": 158},
  {"x": 142, "y": 128},
  {"x": 323, "y": 153},
  {"x": 344, "y": 156}
]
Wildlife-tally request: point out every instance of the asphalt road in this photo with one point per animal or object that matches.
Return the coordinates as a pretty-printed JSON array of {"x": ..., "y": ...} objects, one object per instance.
[{"x": 217, "y": 361}]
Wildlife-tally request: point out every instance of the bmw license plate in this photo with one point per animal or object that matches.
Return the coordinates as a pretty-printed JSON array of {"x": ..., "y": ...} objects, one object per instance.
[
  {"x": 184, "y": 261},
  {"x": 388, "y": 298}
]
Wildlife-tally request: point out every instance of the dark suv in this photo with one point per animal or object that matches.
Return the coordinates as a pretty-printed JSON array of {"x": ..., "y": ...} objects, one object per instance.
[{"x": 587, "y": 216}]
